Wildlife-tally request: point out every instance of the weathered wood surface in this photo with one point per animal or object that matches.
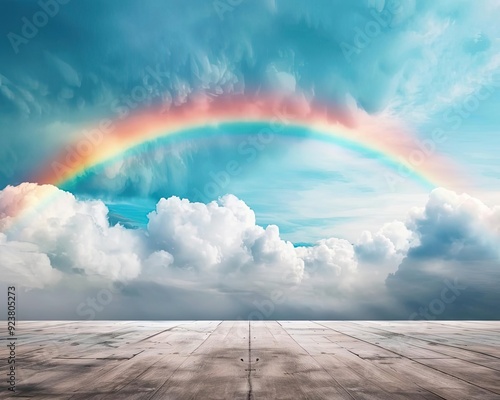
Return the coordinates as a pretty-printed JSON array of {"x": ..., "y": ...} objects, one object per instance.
[{"x": 257, "y": 360}]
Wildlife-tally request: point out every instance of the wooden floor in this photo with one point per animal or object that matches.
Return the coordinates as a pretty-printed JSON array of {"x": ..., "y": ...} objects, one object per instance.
[{"x": 260, "y": 360}]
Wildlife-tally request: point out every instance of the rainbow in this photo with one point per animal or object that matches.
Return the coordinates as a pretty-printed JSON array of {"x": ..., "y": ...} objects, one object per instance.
[{"x": 356, "y": 131}]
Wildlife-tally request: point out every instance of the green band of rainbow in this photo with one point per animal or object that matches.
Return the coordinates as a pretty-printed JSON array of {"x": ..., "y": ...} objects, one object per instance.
[{"x": 392, "y": 146}]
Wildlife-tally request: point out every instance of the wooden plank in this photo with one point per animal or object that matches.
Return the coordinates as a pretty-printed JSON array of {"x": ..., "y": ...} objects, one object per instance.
[
  {"x": 352, "y": 366},
  {"x": 213, "y": 370},
  {"x": 179, "y": 341},
  {"x": 437, "y": 382},
  {"x": 282, "y": 369},
  {"x": 484, "y": 377},
  {"x": 406, "y": 345},
  {"x": 142, "y": 360}
]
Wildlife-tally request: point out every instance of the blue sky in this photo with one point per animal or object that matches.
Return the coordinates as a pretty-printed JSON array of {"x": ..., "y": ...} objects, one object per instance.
[{"x": 425, "y": 65}]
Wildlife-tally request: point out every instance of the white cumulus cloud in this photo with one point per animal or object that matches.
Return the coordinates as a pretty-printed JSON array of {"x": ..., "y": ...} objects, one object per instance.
[{"x": 47, "y": 236}]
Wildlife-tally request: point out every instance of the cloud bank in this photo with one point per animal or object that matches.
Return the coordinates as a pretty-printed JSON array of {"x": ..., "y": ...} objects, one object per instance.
[{"x": 49, "y": 239}]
